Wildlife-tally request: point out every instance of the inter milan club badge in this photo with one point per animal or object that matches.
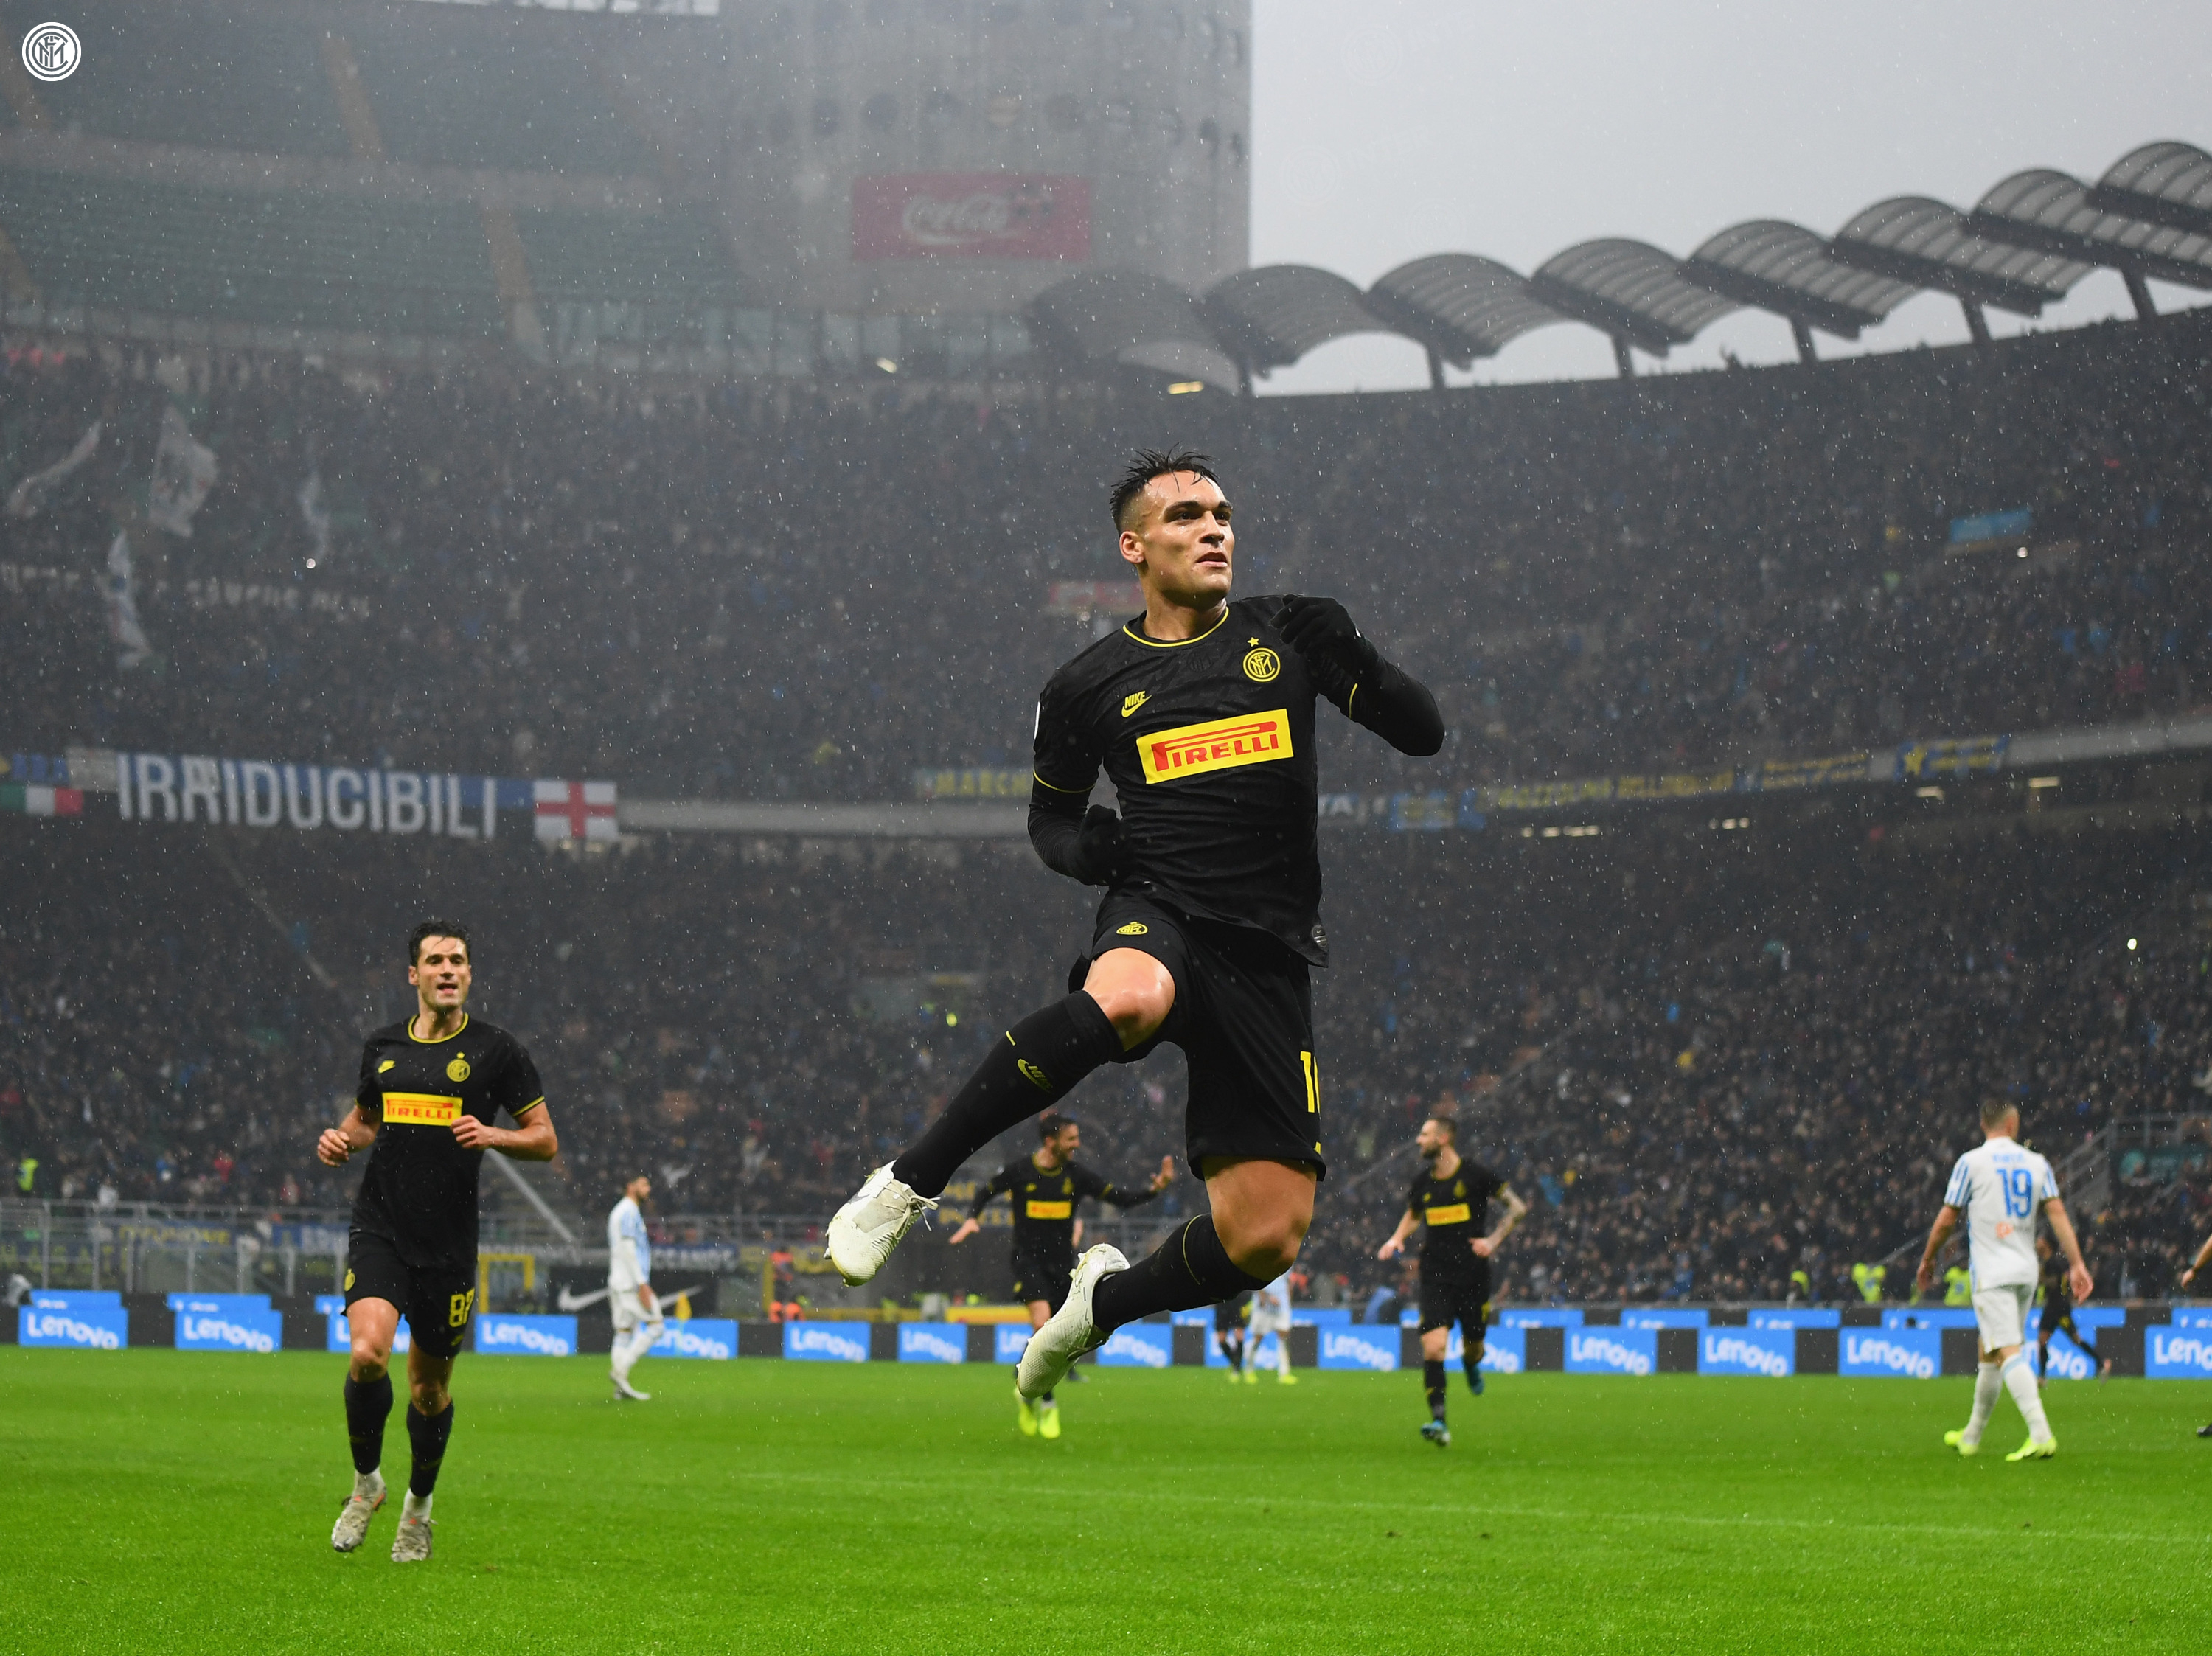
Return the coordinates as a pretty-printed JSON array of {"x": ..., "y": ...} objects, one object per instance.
[
  {"x": 458, "y": 1070},
  {"x": 51, "y": 51}
]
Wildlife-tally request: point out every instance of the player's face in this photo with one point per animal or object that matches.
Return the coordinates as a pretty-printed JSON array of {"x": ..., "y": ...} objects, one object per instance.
[
  {"x": 1181, "y": 542},
  {"x": 1430, "y": 1141},
  {"x": 1064, "y": 1143},
  {"x": 638, "y": 1188},
  {"x": 441, "y": 975}
]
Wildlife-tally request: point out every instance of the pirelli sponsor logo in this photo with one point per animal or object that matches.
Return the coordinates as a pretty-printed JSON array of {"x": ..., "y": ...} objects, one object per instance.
[
  {"x": 1051, "y": 1209},
  {"x": 1219, "y": 744},
  {"x": 1457, "y": 1214},
  {"x": 420, "y": 1110}
]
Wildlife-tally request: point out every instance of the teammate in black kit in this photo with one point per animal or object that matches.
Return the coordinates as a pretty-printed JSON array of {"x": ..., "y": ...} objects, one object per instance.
[
  {"x": 1452, "y": 1199},
  {"x": 2058, "y": 1312},
  {"x": 1230, "y": 1335},
  {"x": 431, "y": 1090},
  {"x": 1047, "y": 1186},
  {"x": 1201, "y": 712}
]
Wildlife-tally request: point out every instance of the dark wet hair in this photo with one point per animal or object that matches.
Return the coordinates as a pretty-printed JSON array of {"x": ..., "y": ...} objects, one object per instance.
[
  {"x": 1150, "y": 463},
  {"x": 1053, "y": 1126},
  {"x": 1447, "y": 1121},
  {"x": 436, "y": 929}
]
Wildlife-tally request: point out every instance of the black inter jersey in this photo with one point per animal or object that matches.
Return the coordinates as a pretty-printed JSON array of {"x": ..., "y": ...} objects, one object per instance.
[
  {"x": 1209, "y": 743},
  {"x": 1044, "y": 1203},
  {"x": 1454, "y": 1210},
  {"x": 2057, "y": 1285},
  {"x": 420, "y": 1191}
]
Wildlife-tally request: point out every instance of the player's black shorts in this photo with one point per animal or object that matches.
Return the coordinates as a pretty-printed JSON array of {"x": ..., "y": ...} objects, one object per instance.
[
  {"x": 437, "y": 1300},
  {"x": 1042, "y": 1276},
  {"x": 1462, "y": 1299},
  {"x": 1243, "y": 1016}
]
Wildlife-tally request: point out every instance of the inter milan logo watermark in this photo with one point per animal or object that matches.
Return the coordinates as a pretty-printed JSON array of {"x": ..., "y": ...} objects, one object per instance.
[{"x": 50, "y": 51}]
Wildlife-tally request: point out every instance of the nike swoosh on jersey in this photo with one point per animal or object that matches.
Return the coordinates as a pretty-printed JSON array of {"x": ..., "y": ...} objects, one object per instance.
[{"x": 1131, "y": 703}]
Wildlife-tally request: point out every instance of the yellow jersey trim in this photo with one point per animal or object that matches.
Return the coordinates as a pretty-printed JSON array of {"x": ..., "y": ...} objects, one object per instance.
[
  {"x": 1176, "y": 643},
  {"x": 526, "y": 1108},
  {"x": 441, "y": 1039},
  {"x": 1055, "y": 786}
]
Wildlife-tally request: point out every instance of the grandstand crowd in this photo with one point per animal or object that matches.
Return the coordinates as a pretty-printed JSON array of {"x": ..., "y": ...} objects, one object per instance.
[
  {"x": 1711, "y": 1058},
  {"x": 1710, "y": 1062},
  {"x": 747, "y": 594}
]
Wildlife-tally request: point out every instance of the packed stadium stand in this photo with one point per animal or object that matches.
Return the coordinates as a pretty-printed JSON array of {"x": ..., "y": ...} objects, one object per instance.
[
  {"x": 1715, "y": 1046},
  {"x": 712, "y": 592}
]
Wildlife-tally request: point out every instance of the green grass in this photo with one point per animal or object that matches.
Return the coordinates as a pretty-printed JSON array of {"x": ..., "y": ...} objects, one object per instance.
[{"x": 154, "y": 1500}]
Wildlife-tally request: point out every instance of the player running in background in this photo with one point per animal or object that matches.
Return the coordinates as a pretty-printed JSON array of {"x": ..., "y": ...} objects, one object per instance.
[
  {"x": 1201, "y": 711},
  {"x": 2188, "y": 1276},
  {"x": 629, "y": 1289},
  {"x": 1451, "y": 1198},
  {"x": 1230, "y": 1317},
  {"x": 431, "y": 1090},
  {"x": 2058, "y": 1296},
  {"x": 1047, "y": 1187},
  {"x": 1271, "y": 1314},
  {"x": 1998, "y": 1188}
]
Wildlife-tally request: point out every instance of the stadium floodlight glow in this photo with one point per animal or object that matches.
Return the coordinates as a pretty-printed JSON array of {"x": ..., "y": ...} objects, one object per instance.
[
  {"x": 1928, "y": 793},
  {"x": 887, "y": 365},
  {"x": 2131, "y": 945},
  {"x": 2042, "y": 781},
  {"x": 1184, "y": 387}
]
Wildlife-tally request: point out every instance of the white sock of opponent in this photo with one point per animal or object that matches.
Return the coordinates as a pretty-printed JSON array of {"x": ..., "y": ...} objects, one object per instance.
[
  {"x": 1988, "y": 1381},
  {"x": 1282, "y": 1352},
  {"x": 626, "y": 1354},
  {"x": 2019, "y": 1381}
]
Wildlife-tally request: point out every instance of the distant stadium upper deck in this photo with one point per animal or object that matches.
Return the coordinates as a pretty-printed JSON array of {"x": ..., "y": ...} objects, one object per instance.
[{"x": 848, "y": 190}]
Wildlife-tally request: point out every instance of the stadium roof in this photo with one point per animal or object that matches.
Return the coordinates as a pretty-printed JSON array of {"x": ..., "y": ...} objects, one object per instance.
[{"x": 2030, "y": 241}]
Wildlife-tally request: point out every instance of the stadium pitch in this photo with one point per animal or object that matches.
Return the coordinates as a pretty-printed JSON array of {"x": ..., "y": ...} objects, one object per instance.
[{"x": 180, "y": 1502}]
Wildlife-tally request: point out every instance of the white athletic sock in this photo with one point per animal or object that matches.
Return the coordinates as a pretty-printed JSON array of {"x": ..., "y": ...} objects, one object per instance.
[
  {"x": 1282, "y": 1354},
  {"x": 370, "y": 1485},
  {"x": 416, "y": 1506},
  {"x": 2019, "y": 1381},
  {"x": 625, "y": 1358},
  {"x": 1988, "y": 1381}
]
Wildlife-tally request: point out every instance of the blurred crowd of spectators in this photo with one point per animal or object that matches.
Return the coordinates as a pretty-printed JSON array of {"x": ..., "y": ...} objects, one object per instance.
[
  {"x": 1710, "y": 1059},
  {"x": 737, "y": 593}
]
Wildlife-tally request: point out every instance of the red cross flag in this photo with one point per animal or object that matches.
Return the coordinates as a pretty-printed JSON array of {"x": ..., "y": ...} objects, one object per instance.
[{"x": 575, "y": 810}]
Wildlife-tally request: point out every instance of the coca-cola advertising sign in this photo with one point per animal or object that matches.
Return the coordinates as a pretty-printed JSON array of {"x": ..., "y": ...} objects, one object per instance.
[{"x": 971, "y": 216}]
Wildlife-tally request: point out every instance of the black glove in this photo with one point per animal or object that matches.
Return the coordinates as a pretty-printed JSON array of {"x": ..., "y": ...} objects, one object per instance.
[
  {"x": 1098, "y": 847},
  {"x": 1319, "y": 630}
]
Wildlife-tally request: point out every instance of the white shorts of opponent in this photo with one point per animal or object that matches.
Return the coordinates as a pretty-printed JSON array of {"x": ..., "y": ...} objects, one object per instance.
[
  {"x": 2001, "y": 1314},
  {"x": 1261, "y": 1323},
  {"x": 629, "y": 1314}
]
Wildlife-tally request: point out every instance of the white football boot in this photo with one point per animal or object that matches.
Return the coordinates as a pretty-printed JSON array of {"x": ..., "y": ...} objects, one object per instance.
[
  {"x": 412, "y": 1545},
  {"x": 1052, "y": 1349},
  {"x": 353, "y": 1519},
  {"x": 867, "y": 1227}
]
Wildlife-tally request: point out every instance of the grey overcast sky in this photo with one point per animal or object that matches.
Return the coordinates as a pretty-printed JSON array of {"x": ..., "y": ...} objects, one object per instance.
[{"x": 1388, "y": 129}]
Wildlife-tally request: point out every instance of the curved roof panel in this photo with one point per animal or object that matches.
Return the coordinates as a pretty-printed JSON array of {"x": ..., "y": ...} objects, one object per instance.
[
  {"x": 1459, "y": 305},
  {"x": 1631, "y": 289},
  {"x": 1274, "y": 315},
  {"x": 2167, "y": 183},
  {"x": 1915, "y": 240},
  {"x": 1785, "y": 268},
  {"x": 2051, "y": 211},
  {"x": 1100, "y": 314}
]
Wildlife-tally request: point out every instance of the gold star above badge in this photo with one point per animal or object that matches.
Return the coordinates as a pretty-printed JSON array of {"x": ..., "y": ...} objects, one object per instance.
[{"x": 1251, "y": 640}]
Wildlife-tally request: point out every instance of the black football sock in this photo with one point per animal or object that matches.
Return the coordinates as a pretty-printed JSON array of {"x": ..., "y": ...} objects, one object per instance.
[
  {"x": 1432, "y": 1380},
  {"x": 1190, "y": 1269},
  {"x": 2042, "y": 1361},
  {"x": 1034, "y": 1066},
  {"x": 428, "y": 1433},
  {"x": 1234, "y": 1350},
  {"x": 368, "y": 1405},
  {"x": 1046, "y": 1398},
  {"x": 2090, "y": 1351}
]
